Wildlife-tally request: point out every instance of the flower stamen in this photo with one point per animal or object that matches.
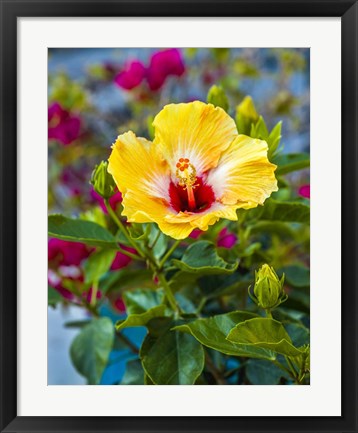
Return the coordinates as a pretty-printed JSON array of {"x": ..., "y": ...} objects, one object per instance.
[{"x": 186, "y": 174}]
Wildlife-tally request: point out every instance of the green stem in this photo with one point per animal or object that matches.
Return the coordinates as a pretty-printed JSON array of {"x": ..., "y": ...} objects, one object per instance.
[
  {"x": 214, "y": 370},
  {"x": 168, "y": 293},
  {"x": 155, "y": 240},
  {"x": 201, "y": 304},
  {"x": 292, "y": 368},
  {"x": 169, "y": 253},
  {"x": 128, "y": 254},
  {"x": 126, "y": 341},
  {"x": 122, "y": 228},
  {"x": 282, "y": 367},
  {"x": 268, "y": 314},
  {"x": 94, "y": 294}
]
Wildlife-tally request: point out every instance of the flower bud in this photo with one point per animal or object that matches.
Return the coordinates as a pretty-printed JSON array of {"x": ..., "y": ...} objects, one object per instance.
[
  {"x": 268, "y": 289},
  {"x": 248, "y": 110},
  {"x": 102, "y": 181},
  {"x": 217, "y": 97},
  {"x": 246, "y": 115}
]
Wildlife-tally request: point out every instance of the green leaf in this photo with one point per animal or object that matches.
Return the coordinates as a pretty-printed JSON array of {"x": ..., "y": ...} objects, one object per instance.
[
  {"x": 298, "y": 333},
  {"x": 275, "y": 210},
  {"x": 274, "y": 139},
  {"x": 138, "y": 232},
  {"x": 202, "y": 258},
  {"x": 259, "y": 130},
  {"x": 141, "y": 300},
  {"x": 53, "y": 297},
  {"x": 77, "y": 323},
  {"x": 212, "y": 332},
  {"x": 275, "y": 227},
  {"x": 262, "y": 372},
  {"x": 219, "y": 285},
  {"x": 265, "y": 333},
  {"x": 171, "y": 357},
  {"x": 134, "y": 374},
  {"x": 123, "y": 279},
  {"x": 287, "y": 163},
  {"x": 159, "y": 240},
  {"x": 91, "y": 348},
  {"x": 98, "y": 264},
  {"x": 143, "y": 318},
  {"x": 296, "y": 275},
  {"x": 76, "y": 230},
  {"x": 148, "y": 380}
]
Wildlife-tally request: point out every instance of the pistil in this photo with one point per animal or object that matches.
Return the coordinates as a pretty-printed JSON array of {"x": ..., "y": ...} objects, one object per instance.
[{"x": 186, "y": 174}]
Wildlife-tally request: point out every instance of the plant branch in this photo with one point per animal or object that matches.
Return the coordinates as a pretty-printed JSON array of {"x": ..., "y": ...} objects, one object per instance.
[
  {"x": 214, "y": 371},
  {"x": 126, "y": 341},
  {"x": 122, "y": 228},
  {"x": 169, "y": 253},
  {"x": 168, "y": 293}
]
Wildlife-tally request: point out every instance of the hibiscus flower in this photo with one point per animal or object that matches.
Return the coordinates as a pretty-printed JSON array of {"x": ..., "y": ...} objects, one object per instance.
[{"x": 198, "y": 169}]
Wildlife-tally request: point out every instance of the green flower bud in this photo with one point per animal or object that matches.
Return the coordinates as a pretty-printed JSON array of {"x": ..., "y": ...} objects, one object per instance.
[
  {"x": 102, "y": 181},
  {"x": 217, "y": 97},
  {"x": 246, "y": 116},
  {"x": 248, "y": 110},
  {"x": 268, "y": 289}
]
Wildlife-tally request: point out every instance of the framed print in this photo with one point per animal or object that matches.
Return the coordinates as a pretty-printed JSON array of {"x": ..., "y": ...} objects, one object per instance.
[{"x": 159, "y": 163}]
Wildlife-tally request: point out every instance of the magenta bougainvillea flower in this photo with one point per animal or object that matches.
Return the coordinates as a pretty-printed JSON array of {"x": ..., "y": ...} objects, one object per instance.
[
  {"x": 195, "y": 233},
  {"x": 304, "y": 191},
  {"x": 132, "y": 76},
  {"x": 121, "y": 261},
  {"x": 62, "y": 125},
  {"x": 67, "y": 253},
  {"x": 65, "y": 260},
  {"x": 162, "y": 65},
  {"x": 226, "y": 239},
  {"x": 113, "y": 201},
  {"x": 119, "y": 305}
]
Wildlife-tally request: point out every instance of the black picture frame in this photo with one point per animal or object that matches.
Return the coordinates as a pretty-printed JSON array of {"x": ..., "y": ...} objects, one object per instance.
[{"x": 10, "y": 11}]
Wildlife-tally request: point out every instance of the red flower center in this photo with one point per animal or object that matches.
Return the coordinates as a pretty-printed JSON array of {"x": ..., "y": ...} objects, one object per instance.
[{"x": 203, "y": 194}]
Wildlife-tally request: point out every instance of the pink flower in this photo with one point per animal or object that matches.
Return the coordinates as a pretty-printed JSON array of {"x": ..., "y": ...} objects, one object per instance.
[
  {"x": 55, "y": 281},
  {"x": 162, "y": 65},
  {"x": 71, "y": 181},
  {"x": 67, "y": 253},
  {"x": 119, "y": 305},
  {"x": 88, "y": 295},
  {"x": 195, "y": 233},
  {"x": 132, "y": 76},
  {"x": 304, "y": 191},
  {"x": 226, "y": 239},
  {"x": 113, "y": 201},
  {"x": 121, "y": 260},
  {"x": 62, "y": 126},
  {"x": 64, "y": 263}
]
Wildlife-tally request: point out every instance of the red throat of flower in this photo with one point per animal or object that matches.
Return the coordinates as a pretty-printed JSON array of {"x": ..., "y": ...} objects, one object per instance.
[{"x": 190, "y": 194}]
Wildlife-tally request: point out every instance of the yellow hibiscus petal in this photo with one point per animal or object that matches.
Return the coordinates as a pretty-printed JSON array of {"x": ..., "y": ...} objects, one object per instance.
[
  {"x": 202, "y": 220},
  {"x": 176, "y": 231},
  {"x": 244, "y": 175},
  {"x": 141, "y": 177},
  {"x": 134, "y": 165},
  {"x": 197, "y": 131},
  {"x": 138, "y": 207}
]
